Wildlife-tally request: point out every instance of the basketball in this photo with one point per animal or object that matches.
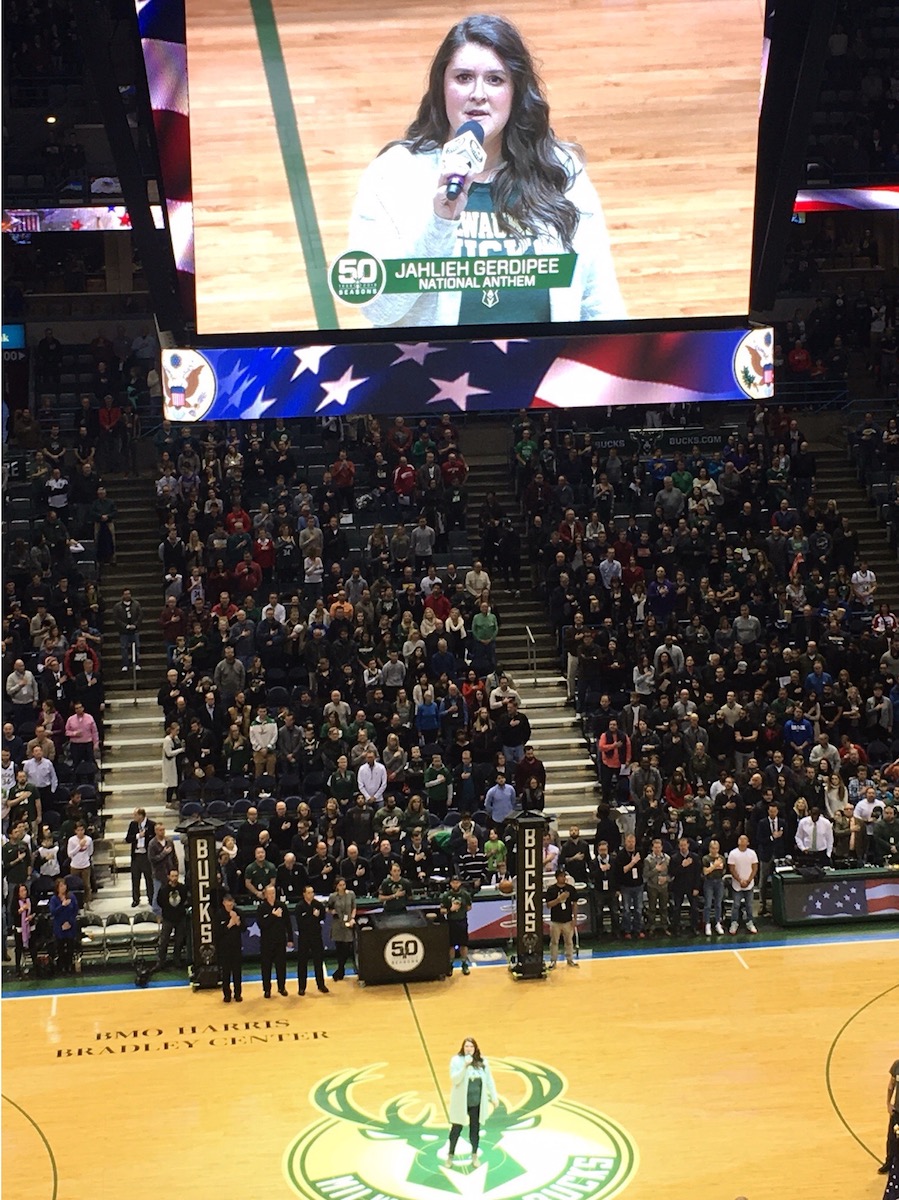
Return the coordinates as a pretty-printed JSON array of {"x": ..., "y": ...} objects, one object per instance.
[{"x": 506, "y": 886}]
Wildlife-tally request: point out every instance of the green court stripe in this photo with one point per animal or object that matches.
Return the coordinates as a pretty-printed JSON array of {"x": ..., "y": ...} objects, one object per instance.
[
  {"x": 833, "y": 1046},
  {"x": 40, "y": 1134},
  {"x": 294, "y": 162},
  {"x": 424, "y": 1046}
]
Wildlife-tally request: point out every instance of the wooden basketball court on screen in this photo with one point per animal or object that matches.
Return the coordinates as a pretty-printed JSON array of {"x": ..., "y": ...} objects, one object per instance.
[
  {"x": 683, "y": 1076},
  {"x": 664, "y": 102}
]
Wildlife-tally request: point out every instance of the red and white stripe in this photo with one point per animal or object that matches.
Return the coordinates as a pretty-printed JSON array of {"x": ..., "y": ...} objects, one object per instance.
[{"x": 882, "y": 896}]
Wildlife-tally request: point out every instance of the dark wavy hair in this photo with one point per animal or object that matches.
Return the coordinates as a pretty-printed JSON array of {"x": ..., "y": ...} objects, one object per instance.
[
  {"x": 476, "y": 1058},
  {"x": 529, "y": 190}
]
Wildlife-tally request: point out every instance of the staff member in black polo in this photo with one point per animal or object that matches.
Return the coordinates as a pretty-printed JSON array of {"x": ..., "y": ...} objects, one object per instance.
[
  {"x": 310, "y": 948},
  {"x": 560, "y": 902},
  {"x": 140, "y": 831},
  {"x": 275, "y": 934},
  {"x": 228, "y": 947}
]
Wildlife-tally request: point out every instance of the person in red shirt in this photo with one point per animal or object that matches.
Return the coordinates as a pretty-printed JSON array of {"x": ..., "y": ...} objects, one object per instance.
[
  {"x": 404, "y": 480},
  {"x": 570, "y": 527},
  {"x": 225, "y": 607},
  {"x": 172, "y": 622},
  {"x": 800, "y": 361},
  {"x": 247, "y": 575},
  {"x": 438, "y": 602},
  {"x": 454, "y": 470},
  {"x": 614, "y": 749},
  {"x": 264, "y": 556},
  {"x": 237, "y": 514},
  {"x": 343, "y": 476}
]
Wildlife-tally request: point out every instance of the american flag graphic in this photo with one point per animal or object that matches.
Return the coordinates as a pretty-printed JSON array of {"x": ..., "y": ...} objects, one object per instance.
[
  {"x": 852, "y": 899},
  {"x": 647, "y": 369}
]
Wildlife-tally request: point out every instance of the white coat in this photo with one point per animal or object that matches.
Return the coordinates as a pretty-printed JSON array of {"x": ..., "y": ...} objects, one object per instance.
[
  {"x": 170, "y": 755},
  {"x": 460, "y": 1072}
]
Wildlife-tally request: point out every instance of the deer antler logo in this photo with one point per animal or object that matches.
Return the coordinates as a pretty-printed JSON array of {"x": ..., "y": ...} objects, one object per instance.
[{"x": 398, "y": 1151}]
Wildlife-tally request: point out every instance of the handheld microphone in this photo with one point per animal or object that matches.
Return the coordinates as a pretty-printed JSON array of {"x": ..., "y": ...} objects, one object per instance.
[{"x": 468, "y": 143}]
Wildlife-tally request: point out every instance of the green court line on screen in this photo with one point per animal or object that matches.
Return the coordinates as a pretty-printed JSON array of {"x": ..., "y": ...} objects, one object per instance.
[{"x": 294, "y": 162}]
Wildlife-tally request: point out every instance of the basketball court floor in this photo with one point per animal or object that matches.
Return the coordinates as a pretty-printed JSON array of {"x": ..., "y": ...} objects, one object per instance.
[{"x": 756, "y": 1071}]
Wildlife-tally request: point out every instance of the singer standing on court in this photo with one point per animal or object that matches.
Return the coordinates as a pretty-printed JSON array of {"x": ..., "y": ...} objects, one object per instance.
[
  {"x": 531, "y": 196},
  {"x": 473, "y": 1091},
  {"x": 229, "y": 928}
]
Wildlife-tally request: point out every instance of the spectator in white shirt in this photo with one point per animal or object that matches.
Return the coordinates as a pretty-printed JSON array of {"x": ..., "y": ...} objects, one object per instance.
[
  {"x": 41, "y": 773},
  {"x": 477, "y": 580},
  {"x": 814, "y": 836},
  {"x": 371, "y": 779},
  {"x": 80, "y": 851}
]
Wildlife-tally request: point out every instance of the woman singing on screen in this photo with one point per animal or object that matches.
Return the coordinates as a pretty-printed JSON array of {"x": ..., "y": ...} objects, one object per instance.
[
  {"x": 531, "y": 197},
  {"x": 473, "y": 1091}
]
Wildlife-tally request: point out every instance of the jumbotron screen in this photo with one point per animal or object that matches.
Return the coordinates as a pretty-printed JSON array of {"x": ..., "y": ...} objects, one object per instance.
[{"x": 361, "y": 167}]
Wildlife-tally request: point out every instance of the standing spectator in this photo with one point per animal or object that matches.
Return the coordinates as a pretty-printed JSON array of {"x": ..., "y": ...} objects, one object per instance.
[
  {"x": 138, "y": 837},
  {"x": 275, "y": 934},
  {"x": 229, "y": 929},
  {"x": 263, "y": 739},
  {"x": 560, "y": 901},
  {"x": 82, "y": 734},
  {"x": 656, "y": 878},
  {"x": 127, "y": 616},
  {"x": 172, "y": 757},
  {"x": 713, "y": 867},
  {"x": 22, "y": 690},
  {"x": 743, "y": 864},
  {"x": 629, "y": 873},
  {"x": 172, "y": 899},
  {"x": 614, "y": 751},
  {"x": 163, "y": 860},
  {"x": 310, "y": 948},
  {"x": 64, "y": 914},
  {"x": 80, "y": 851}
]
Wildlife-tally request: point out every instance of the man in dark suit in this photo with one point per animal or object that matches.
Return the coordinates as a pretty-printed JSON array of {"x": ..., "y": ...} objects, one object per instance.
[
  {"x": 310, "y": 948},
  {"x": 275, "y": 933},
  {"x": 771, "y": 844},
  {"x": 138, "y": 837},
  {"x": 228, "y": 946}
]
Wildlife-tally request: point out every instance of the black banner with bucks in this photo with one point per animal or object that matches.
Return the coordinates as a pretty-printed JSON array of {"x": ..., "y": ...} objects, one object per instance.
[
  {"x": 201, "y": 859},
  {"x": 358, "y": 277},
  {"x": 529, "y": 896}
]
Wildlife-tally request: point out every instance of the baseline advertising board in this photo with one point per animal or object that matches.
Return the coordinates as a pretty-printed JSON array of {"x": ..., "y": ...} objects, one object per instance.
[{"x": 596, "y": 182}]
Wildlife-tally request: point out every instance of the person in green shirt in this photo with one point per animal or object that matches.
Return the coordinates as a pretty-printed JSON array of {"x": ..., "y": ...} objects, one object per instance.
[
  {"x": 495, "y": 850},
  {"x": 437, "y": 781},
  {"x": 395, "y": 890},
  {"x": 484, "y": 629},
  {"x": 342, "y": 783},
  {"x": 682, "y": 478},
  {"x": 454, "y": 905},
  {"x": 259, "y": 873},
  {"x": 526, "y": 448}
]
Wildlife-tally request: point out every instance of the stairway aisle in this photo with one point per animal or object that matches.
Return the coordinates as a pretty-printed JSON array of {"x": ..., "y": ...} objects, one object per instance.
[
  {"x": 133, "y": 728},
  {"x": 836, "y": 480},
  {"x": 571, "y": 784}
]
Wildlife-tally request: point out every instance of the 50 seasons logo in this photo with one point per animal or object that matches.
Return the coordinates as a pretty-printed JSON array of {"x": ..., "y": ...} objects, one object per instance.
[{"x": 536, "y": 1145}]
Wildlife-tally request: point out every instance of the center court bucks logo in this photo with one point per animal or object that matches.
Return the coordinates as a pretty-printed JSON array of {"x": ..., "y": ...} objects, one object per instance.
[{"x": 536, "y": 1145}]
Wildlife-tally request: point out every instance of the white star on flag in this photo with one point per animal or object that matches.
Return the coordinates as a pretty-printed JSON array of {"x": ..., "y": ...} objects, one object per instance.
[
  {"x": 258, "y": 408},
  {"x": 309, "y": 358},
  {"x": 457, "y": 390},
  {"x": 226, "y": 385},
  {"x": 415, "y": 352},
  {"x": 254, "y": 930},
  {"x": 502, "y": 344},
  {"x": 338, "y": 390}
]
